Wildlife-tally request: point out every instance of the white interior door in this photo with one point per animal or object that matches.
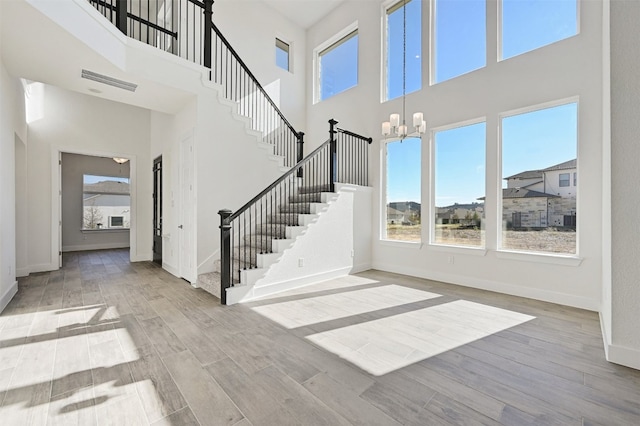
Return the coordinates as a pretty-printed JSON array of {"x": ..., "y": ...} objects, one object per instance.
[
  {"x": 59, "y": 209},
  {"x": 186, "y": 227}
]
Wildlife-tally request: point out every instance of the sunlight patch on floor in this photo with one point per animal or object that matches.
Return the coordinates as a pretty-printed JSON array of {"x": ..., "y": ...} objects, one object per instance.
[
  {"x": 385, "y": 345},
  {"x": 313, "y": 310}
]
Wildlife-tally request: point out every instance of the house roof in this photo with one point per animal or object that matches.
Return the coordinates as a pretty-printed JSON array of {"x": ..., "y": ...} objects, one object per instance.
[
  {"x": 107, "y": 187},
  {"x": 532, "y": 174},
  {"x": 525, "y": 193},
  {"x": 393, "y": 212}
]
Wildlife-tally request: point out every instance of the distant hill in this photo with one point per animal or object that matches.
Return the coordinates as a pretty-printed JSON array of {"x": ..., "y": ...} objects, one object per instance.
[
  {"x": 470, "y": 206},
  {"x": 404, "y": 206}
]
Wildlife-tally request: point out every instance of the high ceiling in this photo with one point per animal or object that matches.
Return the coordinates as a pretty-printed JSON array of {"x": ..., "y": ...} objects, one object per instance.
[{"x": 303, "y": 12}]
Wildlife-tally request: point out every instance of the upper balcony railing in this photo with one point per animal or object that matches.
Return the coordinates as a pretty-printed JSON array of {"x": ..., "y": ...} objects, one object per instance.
[{"x": 185, "y": 28}]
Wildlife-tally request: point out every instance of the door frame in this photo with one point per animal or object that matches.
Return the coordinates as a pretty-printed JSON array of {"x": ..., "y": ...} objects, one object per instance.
[
  {"x": 190, "y": 274},
  {"x": 158, "y": 208}
]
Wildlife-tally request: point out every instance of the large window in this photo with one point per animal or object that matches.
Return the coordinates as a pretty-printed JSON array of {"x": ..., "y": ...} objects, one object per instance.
[
  {"x": 530, "y": 24},
  {"x": 282, "y": 54},
  {"x": 403, "y": 209},
  {"x": 337, "y": 66},
  {"x": 539, "y": 154},
  {"x": 394, "y": 47},
  {"x": 459, "y": 160},
  {"x": 106, "y": 202},
  {"x": 460, "y": 40}
]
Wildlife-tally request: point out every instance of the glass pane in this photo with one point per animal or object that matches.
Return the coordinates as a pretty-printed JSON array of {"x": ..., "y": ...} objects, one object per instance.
[
  {"x": 403, "y": 190},
  {"x": 539, "y": 154},
  {"x": 339, "y": 67},
  {"x": 282, "y": 54},
  {"x": 395, "y": 38},
  {"x": 460, "y": 38},
  {"x": 106, "y": 202},
  {"x": 530, "y": 24},
  {"x": 460, "y": 186}
]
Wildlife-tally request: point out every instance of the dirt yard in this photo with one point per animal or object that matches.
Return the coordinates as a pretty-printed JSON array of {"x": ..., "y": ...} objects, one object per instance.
[{"x": 548, "y": 241}]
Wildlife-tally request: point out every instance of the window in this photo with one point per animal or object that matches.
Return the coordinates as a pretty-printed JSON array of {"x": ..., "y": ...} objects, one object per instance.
[
  {"x": 539, "y": 150},
  {"x": 394, "y": 48},
  {"x": 575, "y": 179},
  {"x": 403, "y": 210},
  {"x": 337, "y": 66},
  {"x": 565, "y": 179},
  {"x": 460, "y": 38},
  {"x": 106, "y": 202},
  {"x": 530, "y": 24},
  {"x": 459, "y": 162},
  {"x": 282, "y": 54}
]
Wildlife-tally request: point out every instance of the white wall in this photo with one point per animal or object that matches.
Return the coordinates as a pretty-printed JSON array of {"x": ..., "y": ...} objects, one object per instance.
[
  {"x": 251, "y": 27},
  {"x": 74, "y": 167},
  {"x": 78, "y": 123},
  {"x": 22, "y": 229},
  {"x": 569, "y": 68},
  {"x": 623, "y": 316}
]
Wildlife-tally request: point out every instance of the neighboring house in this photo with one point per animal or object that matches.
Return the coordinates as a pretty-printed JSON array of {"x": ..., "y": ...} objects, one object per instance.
[
  {"x": 459, "y": 213},
  {"x": 403, "y": 212},
  {"x": 106, "y": 205},
  {"x": 395, "y": 217},
  {"x": 541, "y": 198}
]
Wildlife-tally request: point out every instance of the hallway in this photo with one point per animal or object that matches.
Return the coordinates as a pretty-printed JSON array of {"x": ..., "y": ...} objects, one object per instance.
[{"x": 106, "y": 341}]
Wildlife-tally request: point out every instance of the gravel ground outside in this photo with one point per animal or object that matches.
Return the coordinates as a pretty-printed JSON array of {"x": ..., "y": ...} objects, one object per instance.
[{"x": 547, "y": 241}]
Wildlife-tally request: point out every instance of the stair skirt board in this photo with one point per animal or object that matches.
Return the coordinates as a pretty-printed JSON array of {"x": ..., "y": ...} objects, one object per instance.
[{"x": 244, "y": 293}]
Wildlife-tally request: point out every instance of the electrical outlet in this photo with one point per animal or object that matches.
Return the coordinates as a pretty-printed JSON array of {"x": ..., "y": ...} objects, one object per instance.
[
  {"x": 300, "y": 262},
  {"x": 450, "y": 260}
]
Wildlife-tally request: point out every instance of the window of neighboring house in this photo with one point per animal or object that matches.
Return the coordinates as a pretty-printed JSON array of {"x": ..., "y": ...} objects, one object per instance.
[
  {"x": 282, "y": 54},
  {"x": 337, "y": 65},
  {"x": 529, "y": 24},
  {"x": 106, "y": 202},
  {"x": 565, "y": 179},
  {"x": 394, "y": 41},
  {"x": 403, "y": 209},
  {"x": 538, "y": 216},
  {"x": 459, "y": 38},
  {"x": 575, "y": 179},
  {"x": 459, "y": 162}
]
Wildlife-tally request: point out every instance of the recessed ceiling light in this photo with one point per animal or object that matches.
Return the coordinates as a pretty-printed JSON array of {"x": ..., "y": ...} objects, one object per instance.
[{"x": 105, "y": 79}]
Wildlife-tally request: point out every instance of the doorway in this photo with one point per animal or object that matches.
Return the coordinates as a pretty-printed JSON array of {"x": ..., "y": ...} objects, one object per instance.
[{"x": 157, "y": 210}]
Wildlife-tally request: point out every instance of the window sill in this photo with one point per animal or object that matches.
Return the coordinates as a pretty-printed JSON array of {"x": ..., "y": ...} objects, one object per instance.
[
  {"x": 554, "y": 259},
  {"x": 472, "y": 251},
  {"x": 401, "y": 244},
  {"x": 107, "y": 230}
]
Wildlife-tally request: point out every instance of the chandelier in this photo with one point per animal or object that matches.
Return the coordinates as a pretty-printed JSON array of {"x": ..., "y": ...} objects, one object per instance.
[{"x": 392, "y": 129}]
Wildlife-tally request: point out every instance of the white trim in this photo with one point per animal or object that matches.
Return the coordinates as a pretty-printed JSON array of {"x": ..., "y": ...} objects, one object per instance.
[
  {"x": 22, "y": 272},
  {"x": 361, "y": 267},
  {"x": 463, "y": 250},
  {"x": 99, "y": 246},
  {"x": 141, "y": 257},
  {"x": 171, "y": 269},
  {"x": 618, "y": 354},
  {"x": 554, "y": 259},
  {"x": 414, "y": 245},
  {"x": 538, "y": 107},
  {"x": 8, "y": 295},
  {"x": 491, "y": 285},
  {"x": 321, "y": 47},
  {"x": 43, "y": 267}
]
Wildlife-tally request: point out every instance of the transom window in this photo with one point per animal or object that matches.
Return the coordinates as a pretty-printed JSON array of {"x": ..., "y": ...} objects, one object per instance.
[
  {"x": 395, "y": 46},
  {"x": 282, "y": 55},
  {"x": 337, "y": 64}
]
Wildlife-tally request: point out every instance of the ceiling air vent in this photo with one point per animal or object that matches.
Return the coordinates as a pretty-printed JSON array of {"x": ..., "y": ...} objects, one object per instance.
[{"x": 104, "y": 79}]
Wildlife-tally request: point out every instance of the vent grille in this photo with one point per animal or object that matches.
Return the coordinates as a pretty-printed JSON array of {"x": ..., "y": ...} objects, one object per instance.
[{"x": 104, "y": 79}]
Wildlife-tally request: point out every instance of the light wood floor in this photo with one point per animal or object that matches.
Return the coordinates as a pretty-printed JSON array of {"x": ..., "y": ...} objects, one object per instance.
[{"x": 103, "y": 341}]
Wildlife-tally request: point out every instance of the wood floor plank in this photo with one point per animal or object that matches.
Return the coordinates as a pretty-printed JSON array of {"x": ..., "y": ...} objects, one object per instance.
[
  {"x": 163, "y": 338},
  {"x": 183, "y": 417}
]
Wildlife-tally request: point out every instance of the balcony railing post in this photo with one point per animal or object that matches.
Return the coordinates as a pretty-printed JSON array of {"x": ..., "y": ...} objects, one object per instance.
[
  {"x": 333, "y": 155},
  {"x": 121, "y": 15},
  {"x": 225, "y": 254},
  {"x": 208, "y": 30},
  {"x": 300, "y": 151}
]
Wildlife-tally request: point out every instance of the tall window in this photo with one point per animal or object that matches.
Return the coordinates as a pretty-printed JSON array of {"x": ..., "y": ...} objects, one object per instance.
[
  {"x": 338, "y": 66},
  {"x": 106, "y": 202},
  {"x": 403, "y": 209},
  {"x": 530, "y": 24},
  {"x": 394, "y": 47},
  {"x": 460, "y": 40},
  {"x": 459, "y": 185},
  {"x": 539, "y": 154},
  {"x": 282, "y": 54}
]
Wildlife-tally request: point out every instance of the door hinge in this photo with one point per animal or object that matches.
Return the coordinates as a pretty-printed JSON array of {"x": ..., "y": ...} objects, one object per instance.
[{"x": 60, "y": 162}]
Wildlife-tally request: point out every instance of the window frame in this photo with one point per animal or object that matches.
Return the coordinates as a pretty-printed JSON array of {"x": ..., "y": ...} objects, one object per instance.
[
  {"x": 544, "y": 257},
  {"x": 331, "y": 43},
  {"x": 482, "y": 249},
  {"x": 280, "y": 41},
  {"x": 500, "y": 38},
  {"x": 384, "y": 87},
  {"x": 567, "y": 180}
]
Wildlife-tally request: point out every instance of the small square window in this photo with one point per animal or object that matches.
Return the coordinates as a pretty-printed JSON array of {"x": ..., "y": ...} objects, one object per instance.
[
  {"x": 337, "y": 66},
  {"x": 565, "y": 179},
  {"x": 282, "y": 54}
]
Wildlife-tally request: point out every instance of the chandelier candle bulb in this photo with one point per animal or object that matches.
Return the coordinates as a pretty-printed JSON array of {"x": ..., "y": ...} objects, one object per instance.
[
  {"x": 402, "y": 131},
  {"x": 418, "y": 119},
  {"x": 394, "y": 120},
  {"x": 386, "y": 128},
  {"x": 423, "y": 127}
]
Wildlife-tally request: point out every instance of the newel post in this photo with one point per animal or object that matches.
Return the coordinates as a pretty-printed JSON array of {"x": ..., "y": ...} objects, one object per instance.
[
  {"x": 333, "y": 155},
  {"x": 121, "y": 15},
  {"x": 208, "y": 29},
  {"x": 300, "y": 151},
  {"x": 225, "y": 254}
]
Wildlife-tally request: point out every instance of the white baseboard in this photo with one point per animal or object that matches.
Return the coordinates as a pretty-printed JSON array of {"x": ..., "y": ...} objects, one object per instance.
[
  {"x": 360, "y": 268},
  {"x": 98, "y": 246},
  {"x": 8, "y": 295},
  {"x": 22, "y": 272},
  {"x": 498, "y": 287},
  {"x": 170, "y": 269},
  {"x": 619, "y": 354},
  {"x": 142, "y": 257},
  {"x": 44, "y": 267}
]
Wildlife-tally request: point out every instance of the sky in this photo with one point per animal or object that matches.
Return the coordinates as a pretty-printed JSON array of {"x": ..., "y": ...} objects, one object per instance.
[
  {"x": 531, "y": 141},
  {"x": 96, "y": 179}
]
